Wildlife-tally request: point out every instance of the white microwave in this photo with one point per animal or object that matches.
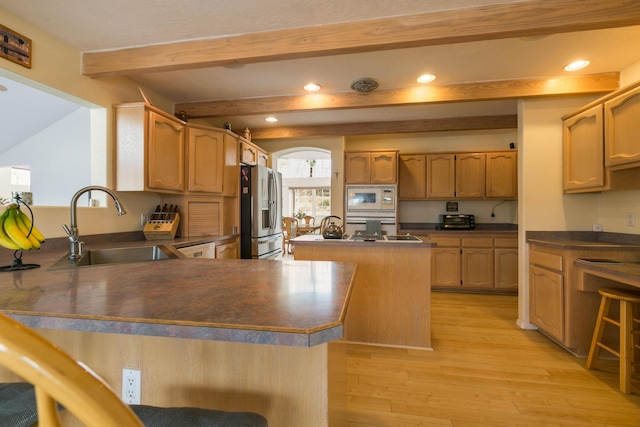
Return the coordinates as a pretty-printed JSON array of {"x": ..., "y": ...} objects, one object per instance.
[{"x": 370, "y": 198}]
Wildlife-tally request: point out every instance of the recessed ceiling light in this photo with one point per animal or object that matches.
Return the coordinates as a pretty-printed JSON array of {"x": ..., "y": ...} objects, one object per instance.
[
  {"x": 426, "y": 78},
  {"x": 312, "y": 87},
  {"x": 271, "y": 119},
  {"x": 577, "y": 65}
]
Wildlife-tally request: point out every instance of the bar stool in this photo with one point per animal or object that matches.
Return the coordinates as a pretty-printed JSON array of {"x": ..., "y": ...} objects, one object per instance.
[{"x": 627, "y": 323}]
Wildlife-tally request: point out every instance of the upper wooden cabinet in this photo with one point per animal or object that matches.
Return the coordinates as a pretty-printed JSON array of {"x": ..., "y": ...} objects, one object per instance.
[
  {"x": 205, "y": 155},
  {"x": 149, "y": 150},
  {"x": 583, "y": 146},
  {"x": 412, "y": 176},
  {"x": 470, "y": 175},
  {"x": 458, "y": 175},
  {"x": 251, "y": 154},
  {"x": 157, "y": 152},
  {"x": 502, "y": 175},
  {"x": 622, "y": 129},
  {"x": 377, "y": 167},
  {"x": 601, "y": 144},
  {"x": 441, "y": 176}
]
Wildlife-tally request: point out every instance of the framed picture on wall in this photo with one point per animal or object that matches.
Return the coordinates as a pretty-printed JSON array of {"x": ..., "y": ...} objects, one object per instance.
[{"x": 15, "y": 47}]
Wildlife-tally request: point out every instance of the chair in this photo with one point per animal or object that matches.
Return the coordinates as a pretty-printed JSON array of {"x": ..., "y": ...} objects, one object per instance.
[
  {"x": 309, "y": 220},
  {"x": 57, "y": 377},
  {"x": 627, "y": 323},
  {"x": 289, "y": 226}
]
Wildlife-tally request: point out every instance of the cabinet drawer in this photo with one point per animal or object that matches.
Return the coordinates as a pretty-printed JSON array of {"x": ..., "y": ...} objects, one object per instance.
[
  {"x": 506, "y": 242},
  {"x": 446, "y": 241},
  {"x": 477, "y": 242},
  {"x": 547, "y": 260},
  {"x": 205, "y": 250}
]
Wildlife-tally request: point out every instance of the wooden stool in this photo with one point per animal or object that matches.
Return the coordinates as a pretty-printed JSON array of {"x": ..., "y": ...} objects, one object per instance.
[{"x": 628, "y": 319}]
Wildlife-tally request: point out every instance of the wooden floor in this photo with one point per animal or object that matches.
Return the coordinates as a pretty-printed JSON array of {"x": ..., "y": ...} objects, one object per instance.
[{"x": 484, "y": 371}]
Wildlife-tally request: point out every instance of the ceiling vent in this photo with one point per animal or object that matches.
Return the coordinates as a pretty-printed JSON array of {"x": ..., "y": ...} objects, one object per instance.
[{"x": 364, "y": 85}]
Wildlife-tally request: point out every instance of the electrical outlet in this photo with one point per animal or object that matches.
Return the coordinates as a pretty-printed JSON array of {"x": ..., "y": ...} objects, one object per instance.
[
  {"x": 631, "y": 219},
  {"x": 597, "y": 227},
  {"x": 131, "y": 385},
  {"x": 143, "y": 219}
]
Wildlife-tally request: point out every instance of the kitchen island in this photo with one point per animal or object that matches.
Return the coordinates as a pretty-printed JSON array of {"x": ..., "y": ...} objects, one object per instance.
[
  {"x": 240, "y": 335},
  {"x": 391, "y": 299}
]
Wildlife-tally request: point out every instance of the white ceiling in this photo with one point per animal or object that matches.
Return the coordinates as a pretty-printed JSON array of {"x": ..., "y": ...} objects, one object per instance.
[{"x": 92, "y": 25}]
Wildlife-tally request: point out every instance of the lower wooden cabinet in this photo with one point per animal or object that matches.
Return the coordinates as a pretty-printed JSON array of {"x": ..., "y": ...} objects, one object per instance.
[
  {"x": 483, "y": 264},
  {"x": 546, "y": 298},
  {"x": 227, "y": 250}
]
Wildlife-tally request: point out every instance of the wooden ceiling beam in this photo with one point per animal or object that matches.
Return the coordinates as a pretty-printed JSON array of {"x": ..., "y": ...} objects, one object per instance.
[
  {"x": 465, "y": 92},
  {"x": 403, "y": 126},
  {"x": 526, "y": 18}
]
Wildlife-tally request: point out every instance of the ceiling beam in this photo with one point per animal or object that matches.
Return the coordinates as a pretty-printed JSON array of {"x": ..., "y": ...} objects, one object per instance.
[
  {"x": 526, "y": 18},
  {"x": 402, "y": 126},
  {"x": 477, "y": 91}
]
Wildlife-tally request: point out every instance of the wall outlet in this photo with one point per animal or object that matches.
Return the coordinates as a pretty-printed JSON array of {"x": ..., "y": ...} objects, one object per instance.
[
  {"x": 597, "y": 227},
  {"x": 631, "y": 219},
  {"x": 131, "y": 385},
  {"x": 143, "y": 219}
]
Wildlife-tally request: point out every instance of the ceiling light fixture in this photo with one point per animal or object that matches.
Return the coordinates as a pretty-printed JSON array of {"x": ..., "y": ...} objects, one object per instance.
[
  {"x": 271, "y": 119},
  {"x": 312, "y": 87},
  {"x": 577, "y": 65},
  {"x": 426, "y": 78}
]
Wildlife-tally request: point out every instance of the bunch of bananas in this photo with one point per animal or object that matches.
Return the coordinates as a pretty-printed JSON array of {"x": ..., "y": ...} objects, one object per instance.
[{"x": 16, "y": 230}]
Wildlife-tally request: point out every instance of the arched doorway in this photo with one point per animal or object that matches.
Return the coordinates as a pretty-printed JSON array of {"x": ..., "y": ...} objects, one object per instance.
[{"x": 306, "y": 182}]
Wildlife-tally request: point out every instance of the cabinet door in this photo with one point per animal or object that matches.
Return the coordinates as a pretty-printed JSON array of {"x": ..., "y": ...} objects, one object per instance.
[
  {"x": 384, "y": 167},
  {"x": 357, "y": 168},
  {"x": 205, "y": 149},
  {"x": 227, "y": 251},
  {"x": 445, "y": 267},
  {"x": 622, "y": 127},
  {"x": 546, "y": 301},
  {"x": 470, "y": 175},
  {"x": 441, "y": 176},
  {"x": 583, "y": 150},
  {"x": 248, "y": 154},
  {"x": 165, "y": 169},
  {"x": 506, "y": 269},
  {"x": 477, "y": 268},
  {"x": 263, "y": 158},
  {"x": 502, "y": 175},
  {"x": 412, "y": 177}
]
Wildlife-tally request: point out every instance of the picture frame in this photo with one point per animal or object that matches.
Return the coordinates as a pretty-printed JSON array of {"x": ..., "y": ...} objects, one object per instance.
[{"x": 15, "y": 47}]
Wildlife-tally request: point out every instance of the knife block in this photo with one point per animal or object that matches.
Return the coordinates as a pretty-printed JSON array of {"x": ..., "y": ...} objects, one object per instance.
[{"x": 161, "y": 229}]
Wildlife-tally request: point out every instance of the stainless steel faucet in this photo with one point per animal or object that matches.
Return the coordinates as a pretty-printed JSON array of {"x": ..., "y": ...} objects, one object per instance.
[{"x": 75, "y": 247}]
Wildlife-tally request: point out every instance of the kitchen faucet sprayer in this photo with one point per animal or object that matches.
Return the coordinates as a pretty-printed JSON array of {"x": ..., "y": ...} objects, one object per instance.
[{"x": 75, "y": 246}]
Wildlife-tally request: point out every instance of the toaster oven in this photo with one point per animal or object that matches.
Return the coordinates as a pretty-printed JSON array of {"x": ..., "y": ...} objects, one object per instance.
[{"x": 457, "y": 222}]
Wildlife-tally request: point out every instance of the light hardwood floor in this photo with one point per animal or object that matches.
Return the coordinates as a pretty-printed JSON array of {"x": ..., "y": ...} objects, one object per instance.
[{"x": 484, "y": 371}]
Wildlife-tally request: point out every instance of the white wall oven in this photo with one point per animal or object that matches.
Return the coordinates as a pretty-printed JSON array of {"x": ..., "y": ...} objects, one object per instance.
[{"x": 368, "y": 205}]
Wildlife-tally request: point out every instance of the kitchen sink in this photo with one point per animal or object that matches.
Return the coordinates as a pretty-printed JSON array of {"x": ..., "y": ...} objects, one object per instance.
[{"x": 124, "y": 255}]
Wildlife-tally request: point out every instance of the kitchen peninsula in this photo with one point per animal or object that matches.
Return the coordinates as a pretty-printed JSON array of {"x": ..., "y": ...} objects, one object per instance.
[
  {"x": 391, "y": 298},
  {"x": 240, "y": 335}
]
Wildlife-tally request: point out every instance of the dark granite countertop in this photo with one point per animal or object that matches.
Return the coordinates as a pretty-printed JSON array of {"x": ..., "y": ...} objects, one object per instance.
[
  {"x": 298, "y": 303},
  {"x": 626, "y": 272},
  {"x": 583, "y": 239}
]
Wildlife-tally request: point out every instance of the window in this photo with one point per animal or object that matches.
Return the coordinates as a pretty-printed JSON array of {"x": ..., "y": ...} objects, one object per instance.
[{"x": 312, "y": 201}]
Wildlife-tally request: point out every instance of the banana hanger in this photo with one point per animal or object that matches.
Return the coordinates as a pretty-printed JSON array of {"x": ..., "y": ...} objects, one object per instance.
[{"x": 17, "y": 263}]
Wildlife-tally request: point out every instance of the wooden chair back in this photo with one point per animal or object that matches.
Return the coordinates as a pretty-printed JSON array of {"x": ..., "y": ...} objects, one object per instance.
[
  {"x": 57, "y": 377},
  {"x": 309, "y": 220}
]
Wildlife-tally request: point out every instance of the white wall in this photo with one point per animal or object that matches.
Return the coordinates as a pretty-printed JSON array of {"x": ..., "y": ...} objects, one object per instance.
[{"x": 54, "y": 152}]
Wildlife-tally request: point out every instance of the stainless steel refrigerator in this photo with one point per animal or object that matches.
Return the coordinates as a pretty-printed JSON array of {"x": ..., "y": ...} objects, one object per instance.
[{"x": 260, "y": 213}]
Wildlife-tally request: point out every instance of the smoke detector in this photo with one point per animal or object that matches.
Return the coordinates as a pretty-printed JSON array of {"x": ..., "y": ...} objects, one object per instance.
[{"x": 364, "y": 85}]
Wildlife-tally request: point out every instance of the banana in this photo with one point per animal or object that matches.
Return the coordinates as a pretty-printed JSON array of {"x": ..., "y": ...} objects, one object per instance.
[
  {"x": 13, "y": 231},
  {"x": 24, "y": 229},
  {"x": 5, "y": 240},
  {"x": 27, "y": 222}
]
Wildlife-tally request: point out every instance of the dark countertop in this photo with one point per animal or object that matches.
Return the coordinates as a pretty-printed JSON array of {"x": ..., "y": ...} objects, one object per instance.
[
  {"x": 422, "y": 229},
  {"x": 309, "y": 239},
  {"x": 298, "y": 303},
  {"x": 583, "y": 239}
]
